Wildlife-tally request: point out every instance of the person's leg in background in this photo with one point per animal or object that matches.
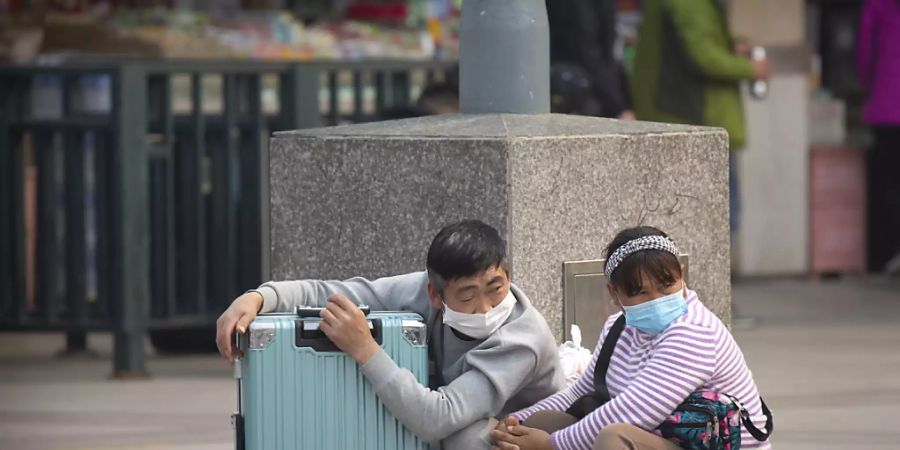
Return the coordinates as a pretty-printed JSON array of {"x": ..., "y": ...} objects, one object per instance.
[
  {"x": 734, "y": 209},
  {"x": 621, "y": 436},
  {"x": 734, "y": 195},
  {"x": 738, "y": 321},
  {"x": 891, "y": 146},
  {"x": 875, "y": 199},
  {"x": 884, "y": 200}
]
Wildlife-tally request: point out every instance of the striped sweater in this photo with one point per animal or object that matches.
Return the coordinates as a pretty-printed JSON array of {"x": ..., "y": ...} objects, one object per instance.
[{"x": 649, "y": 377}]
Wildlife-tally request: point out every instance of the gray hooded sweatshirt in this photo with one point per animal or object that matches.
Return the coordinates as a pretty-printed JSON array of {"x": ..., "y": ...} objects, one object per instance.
[{"x": 515, "y": 367}]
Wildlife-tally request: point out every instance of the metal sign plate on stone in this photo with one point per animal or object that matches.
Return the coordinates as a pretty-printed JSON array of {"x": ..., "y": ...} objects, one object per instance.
[{"x": 586, "y": 301}]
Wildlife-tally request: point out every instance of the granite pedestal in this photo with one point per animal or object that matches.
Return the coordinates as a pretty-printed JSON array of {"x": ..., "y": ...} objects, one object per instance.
[{"x": 367, "y": 199}]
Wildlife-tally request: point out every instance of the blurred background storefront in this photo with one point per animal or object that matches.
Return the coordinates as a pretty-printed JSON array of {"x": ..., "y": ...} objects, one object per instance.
[{"x": 803, "y": 171}]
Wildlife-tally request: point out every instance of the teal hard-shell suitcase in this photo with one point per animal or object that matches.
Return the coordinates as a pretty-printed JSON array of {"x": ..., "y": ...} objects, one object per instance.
[{"x": 297, "y": 390}]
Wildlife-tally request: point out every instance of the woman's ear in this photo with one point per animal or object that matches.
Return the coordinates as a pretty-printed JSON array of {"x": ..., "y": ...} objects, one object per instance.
[{"x": 613, "y": 297}]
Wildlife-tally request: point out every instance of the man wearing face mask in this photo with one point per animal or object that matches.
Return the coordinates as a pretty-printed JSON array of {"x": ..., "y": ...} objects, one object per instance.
[{"x": 491, "y": 351}]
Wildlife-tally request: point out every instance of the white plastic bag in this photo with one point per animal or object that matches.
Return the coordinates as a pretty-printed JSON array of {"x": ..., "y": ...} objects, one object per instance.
[{"x": 574, "y": 358}]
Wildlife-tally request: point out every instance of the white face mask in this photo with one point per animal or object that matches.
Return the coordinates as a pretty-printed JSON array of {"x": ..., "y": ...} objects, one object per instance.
[{"x": 480, "y": 326}]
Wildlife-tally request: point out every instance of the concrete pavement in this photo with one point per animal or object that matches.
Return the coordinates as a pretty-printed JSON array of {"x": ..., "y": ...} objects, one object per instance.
[
  {"x": 52, "y": 403},
  {"x": 825, "y": 354}
]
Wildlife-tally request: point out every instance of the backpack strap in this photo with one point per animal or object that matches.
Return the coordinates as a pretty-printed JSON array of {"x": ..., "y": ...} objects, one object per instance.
[
  {"x": 602, "y": 365},
  {"x": 757, "y": 434},
  {"x": 588, "y": 403}
]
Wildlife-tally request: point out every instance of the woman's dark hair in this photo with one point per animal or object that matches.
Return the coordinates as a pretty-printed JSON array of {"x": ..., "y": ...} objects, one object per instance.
[
  {"x": 464, "y": 249},
  {"x": 659, "y": 265}
]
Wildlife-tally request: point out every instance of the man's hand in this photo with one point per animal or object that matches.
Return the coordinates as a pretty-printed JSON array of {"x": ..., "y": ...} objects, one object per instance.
[
  {"x": 238, "y": 316},
  {"x": 346, "y": 325},
  {"x": 521, "y": 438}
]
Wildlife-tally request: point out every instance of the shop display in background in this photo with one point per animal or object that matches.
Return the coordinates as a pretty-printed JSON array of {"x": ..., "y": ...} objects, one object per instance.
[
  {"x": 264, "y": 35},
  {"x": 92, "y": 95},
  {"x": 628, "y": 23},
  {"x": 273, "y": 36},
  {"x": 19, "y": 44},
  {"x": 439, "y": 19}
]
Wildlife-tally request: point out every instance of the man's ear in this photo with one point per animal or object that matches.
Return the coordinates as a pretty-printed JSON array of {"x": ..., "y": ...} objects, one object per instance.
[
  {"x": 505, "y": 266},
  {"x": 435, "y": 297}
]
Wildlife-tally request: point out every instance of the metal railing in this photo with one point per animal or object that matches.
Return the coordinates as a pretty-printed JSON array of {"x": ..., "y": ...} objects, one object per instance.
[{"x": 130, "y": 191}]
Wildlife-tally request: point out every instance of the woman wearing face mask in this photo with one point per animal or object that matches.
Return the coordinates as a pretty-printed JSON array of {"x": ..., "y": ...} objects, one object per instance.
[{"x": 669, "y": 347}]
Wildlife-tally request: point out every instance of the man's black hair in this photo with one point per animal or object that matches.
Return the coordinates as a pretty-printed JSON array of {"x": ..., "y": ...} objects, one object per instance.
[{"x": 464, "y": 249}]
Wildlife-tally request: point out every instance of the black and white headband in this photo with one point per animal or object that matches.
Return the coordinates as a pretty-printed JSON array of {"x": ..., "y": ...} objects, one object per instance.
[{"x": 635, "y": 245}]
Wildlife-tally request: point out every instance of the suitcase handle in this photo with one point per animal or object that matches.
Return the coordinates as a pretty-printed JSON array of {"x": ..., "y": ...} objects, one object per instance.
[
  {"x": 237, "y": 418},
  {"x": 307, "y": 334},
  {"x": 305, "y": 312}
]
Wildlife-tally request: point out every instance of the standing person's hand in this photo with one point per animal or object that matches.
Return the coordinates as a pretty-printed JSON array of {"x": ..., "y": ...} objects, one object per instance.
[
  {"x": 238, "y": 316},
  {"x": 761, "y": 69},
  {"x": 346, "y": 325},
  {"x": 743, "y": 47},
  {"x": 627, "y": 115}
]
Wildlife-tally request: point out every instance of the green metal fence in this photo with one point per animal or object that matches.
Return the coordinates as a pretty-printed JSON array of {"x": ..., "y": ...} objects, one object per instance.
[{"x": 130, "y": 191}]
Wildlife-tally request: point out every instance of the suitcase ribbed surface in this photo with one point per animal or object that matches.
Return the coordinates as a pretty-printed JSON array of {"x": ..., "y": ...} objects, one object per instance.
[{"x": 296, "y": 398}]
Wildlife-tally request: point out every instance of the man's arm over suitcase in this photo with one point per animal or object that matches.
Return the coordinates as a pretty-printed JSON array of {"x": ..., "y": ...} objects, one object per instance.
[
  {"x": 496, "y": 374},
  {"x": 398, "y": 293}
]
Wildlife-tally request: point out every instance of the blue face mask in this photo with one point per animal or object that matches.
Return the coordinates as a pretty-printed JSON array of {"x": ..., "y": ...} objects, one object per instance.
[{"x": 656, "y": 315}]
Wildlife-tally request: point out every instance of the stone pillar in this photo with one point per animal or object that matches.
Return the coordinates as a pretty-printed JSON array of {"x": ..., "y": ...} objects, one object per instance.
[
  {"x": 773, "y": 170},
  {"x": 367, "y": 199},
  {"x": 504, "y": 62}
]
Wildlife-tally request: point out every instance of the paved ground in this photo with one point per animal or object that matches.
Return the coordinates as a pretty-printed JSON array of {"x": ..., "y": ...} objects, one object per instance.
[
  {"x": 827, "y": 358},
  {"x": 826, "y": 355}
]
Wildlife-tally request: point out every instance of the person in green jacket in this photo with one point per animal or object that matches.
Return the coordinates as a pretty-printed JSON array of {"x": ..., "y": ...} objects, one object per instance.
[{"x": 688, "y": 69}]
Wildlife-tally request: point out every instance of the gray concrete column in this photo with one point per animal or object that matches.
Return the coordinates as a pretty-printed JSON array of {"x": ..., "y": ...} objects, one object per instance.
[{"x": 504, "y": 57}]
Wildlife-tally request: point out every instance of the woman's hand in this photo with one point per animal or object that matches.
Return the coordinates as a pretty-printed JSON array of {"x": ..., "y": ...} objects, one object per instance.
[{"x": 519, "y": 437}]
